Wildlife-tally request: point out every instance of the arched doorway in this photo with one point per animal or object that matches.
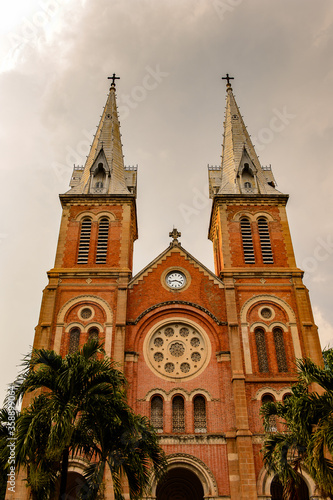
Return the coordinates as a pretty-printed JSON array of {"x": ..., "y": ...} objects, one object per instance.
[
  {"x": 75, "y": 482},
  {"x": 180, "y": 484},
  {"x": 277, "y": 490}
]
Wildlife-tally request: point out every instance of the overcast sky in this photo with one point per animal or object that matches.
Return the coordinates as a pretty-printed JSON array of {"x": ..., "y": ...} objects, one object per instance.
[{"x": 56, "y": 56}]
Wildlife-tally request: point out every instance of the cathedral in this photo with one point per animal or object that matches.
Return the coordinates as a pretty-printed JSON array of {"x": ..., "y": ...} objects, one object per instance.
[{"x": 201, "y": 350}]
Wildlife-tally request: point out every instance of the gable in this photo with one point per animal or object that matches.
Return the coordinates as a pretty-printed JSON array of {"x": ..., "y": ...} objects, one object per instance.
[{"x": 202, "y": 290}]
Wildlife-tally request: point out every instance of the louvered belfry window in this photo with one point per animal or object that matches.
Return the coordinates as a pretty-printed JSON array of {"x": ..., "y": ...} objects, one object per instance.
[
  {"x": 280, "y": 350},
  {"x": 84, "y": 242},
  {"x": 261, "y": 350},
  {"x": 199, "y": 408},
  {"x": 247, "y": 241},
  {"x": 102, "y": 242},
  {"x": 157, "y": 413},
  {"x": 74, "y": 340},
  {"x": 178, "y": 414},
  {"x": 265, "y": 241}
]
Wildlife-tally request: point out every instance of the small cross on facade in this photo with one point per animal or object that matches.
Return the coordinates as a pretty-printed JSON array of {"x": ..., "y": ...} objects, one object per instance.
[
  {"x": 113, "y": 78},
  {"x": 228, "y": 78},
  {"x": 175, "y": 234}
]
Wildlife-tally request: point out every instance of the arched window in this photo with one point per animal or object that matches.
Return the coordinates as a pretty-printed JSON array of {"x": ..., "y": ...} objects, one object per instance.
[
  {"x": 199, "y": 410},
  {"x": 99, "y": 177},
  {"x": 265, "y": 241},
  {"x": 102, "y": 242},
  {"x": 74, "y": 340},
  {"x": 247, "y": 185},
  {"x": 267, "y": 398},
  {"x": 247, "y": 241},
  {"x": 261, "y": 349},
  {"x": 286, "y": 396},
  {"x": 156, "y": 413},
  {"x": 84, "y": 245},
  {"x": 93, "y": 333},
  {"x": 178, "y": 414},
  {"x": 280, "y": 350}
]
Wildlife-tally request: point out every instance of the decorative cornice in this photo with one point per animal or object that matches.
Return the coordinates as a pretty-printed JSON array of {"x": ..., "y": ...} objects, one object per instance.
[
  {"x": 180, "y": 303},
  {"x": 191, "y": 439}
]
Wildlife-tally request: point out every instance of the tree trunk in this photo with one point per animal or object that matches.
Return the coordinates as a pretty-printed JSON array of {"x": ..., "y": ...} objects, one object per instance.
[{"x": 64, "y": 469}]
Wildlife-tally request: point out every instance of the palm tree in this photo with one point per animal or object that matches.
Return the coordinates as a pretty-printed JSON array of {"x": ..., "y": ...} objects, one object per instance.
[
  {"x": 76, "y": 395},
  {"x": 307, "y": 439},
  {"x": 128, "y": 445}
]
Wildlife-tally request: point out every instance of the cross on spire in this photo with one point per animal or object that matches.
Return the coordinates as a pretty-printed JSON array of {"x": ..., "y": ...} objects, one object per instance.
[
  {"x": 113, "y": 78},
  {"x": 175, "y": 234},
  {"x": 228, "y": 78}
]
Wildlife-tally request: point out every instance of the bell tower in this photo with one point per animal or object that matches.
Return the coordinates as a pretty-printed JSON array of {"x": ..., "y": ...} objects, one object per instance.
[
  {"x": 269, "y": 315},
  {"x": 87, "y": 290}
]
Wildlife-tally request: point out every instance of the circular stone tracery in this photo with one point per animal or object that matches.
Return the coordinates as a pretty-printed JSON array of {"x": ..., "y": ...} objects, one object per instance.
[{"x": 177, "y": 350}]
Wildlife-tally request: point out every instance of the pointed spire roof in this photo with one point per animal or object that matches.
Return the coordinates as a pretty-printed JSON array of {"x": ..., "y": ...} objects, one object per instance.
[
  {"x": 106, "y": 146},
  {"x": 240, "y": 162}
]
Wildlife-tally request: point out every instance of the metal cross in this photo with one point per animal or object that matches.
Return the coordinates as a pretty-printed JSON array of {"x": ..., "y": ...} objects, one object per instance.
[
  {"x": 175, "y": 234},
  {"x": 113, "y": 78},
  {"x": 228, "y": 78}
]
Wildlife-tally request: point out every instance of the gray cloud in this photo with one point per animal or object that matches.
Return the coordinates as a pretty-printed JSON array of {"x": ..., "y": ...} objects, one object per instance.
[{"x": 52, "y": 94}]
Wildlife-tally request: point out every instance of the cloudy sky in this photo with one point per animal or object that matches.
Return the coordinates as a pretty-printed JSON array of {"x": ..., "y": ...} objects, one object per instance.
[{"x": 56, "y": 56}]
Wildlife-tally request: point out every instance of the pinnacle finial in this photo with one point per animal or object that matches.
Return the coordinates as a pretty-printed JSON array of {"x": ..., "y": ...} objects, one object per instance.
[
  {"x": 113, "y": 78},
  {"x": 175, "y": 234},
  {"x": 228, "y": 78}
]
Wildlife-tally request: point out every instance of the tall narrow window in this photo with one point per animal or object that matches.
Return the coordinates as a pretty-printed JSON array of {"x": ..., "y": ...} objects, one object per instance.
[
  {"x": 156, "y": 414},
  {"x": 199, "y": 409},
  {"x": 267, "y": 398},
  {"x": 74, "y": 340},
  {"x": 280, "y": 350},
  {"x": 247, "y": 241},
  {"x": 178, "y": 414},
  {"x": 265, "y": 241},
  {"x": 102, "y": 242},
  {"x": 83, "y": 254},
  {"x": 261, "y": 350},
  {"x": 93, "y": 334}
]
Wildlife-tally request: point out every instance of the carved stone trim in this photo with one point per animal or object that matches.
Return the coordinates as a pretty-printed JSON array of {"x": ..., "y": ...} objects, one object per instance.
[
  {"x": 180, "y": 303},
  {"x": 168, "y": 395},
  {"x": 191, "y": 439},
  {"x": 277, "y": 393}
]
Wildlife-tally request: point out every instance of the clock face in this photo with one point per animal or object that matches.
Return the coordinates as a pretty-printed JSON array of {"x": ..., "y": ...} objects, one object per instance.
[{"x": 175, "y": 279}]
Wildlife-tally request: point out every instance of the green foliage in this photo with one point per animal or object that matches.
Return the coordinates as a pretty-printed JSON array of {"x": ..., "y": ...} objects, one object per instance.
[
  {"x": 80, "y": 408},
  {"x": 307, "y": 438}
]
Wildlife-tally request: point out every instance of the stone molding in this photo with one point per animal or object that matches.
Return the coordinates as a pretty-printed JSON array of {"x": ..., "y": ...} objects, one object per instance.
[{"x": 178, "y": 303}]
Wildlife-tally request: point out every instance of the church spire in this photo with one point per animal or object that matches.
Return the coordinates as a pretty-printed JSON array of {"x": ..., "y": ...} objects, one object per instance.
[
  {"x": 104, "y": 170},
  {"x": 241, "y": 171}
]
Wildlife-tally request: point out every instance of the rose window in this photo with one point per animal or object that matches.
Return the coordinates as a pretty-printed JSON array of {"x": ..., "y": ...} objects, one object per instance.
[
  {"x": 177, "y": 350},
  {"x": 266, "y": 313}
]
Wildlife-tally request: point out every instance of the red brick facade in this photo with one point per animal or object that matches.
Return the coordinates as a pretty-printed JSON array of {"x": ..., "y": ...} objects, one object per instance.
[{"x": 236, "y": 333}]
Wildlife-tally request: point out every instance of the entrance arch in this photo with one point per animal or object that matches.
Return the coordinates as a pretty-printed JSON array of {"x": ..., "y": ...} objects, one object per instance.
[
  {"x": 277, "y": 490},
  {"x": 180, "y": 483}
]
